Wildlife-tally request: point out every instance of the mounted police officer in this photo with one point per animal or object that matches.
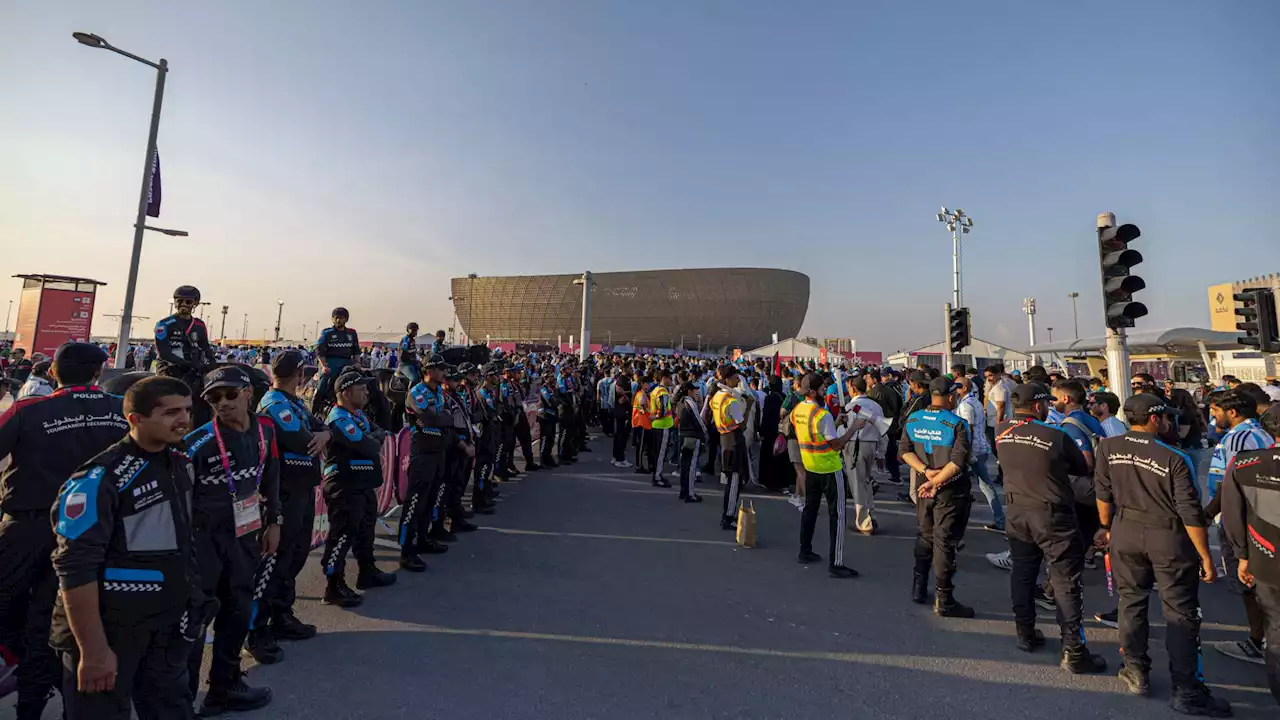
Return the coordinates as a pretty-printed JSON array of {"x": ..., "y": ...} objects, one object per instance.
[
  {"x": 182, "y": 345},
  {"x": 410, "y": 361},
  {"x": 337, "y": 347}
]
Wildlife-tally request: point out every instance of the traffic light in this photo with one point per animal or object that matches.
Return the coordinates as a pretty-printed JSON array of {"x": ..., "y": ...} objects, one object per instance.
[
  {"x": 1118, "y": 282},
  {"x": 1256, "y": 316},
  {"x": 958, "y": 329}
]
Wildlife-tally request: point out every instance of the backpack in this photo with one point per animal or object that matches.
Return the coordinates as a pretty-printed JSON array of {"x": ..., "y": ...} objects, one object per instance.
[{"x": 1082, "y": 485}]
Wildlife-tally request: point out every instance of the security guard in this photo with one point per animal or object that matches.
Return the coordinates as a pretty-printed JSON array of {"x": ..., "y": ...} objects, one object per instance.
[
  {"x": 505, "y": 442},
  {"x": 662, "y": 419},
  {"x": 410, "y": 363},
  {"x": 46, "y": 438},
  {"x": 458, "y": 459},
  {"x": 302, "y": 438},
  {"x": 335, "y": 349},
  {"x": 124, "y": 565},
  {"x": 570, "y": 437},
  {"x": 548, "y": 418},
  {"x": 182, "y": 344},
  {"x": 489, "y": 419},
  {"x": 937, "y": 447},
  {"x": 427, "y": 414},
  {"x": 820, "y": 448},
  {"x": 1148, "y": 488},
  {"x": 515, "y": 377},
  {"x": 728, "y": 411},
  {"x": 641, "y": 422},
  {"x": 1250, "y": 493},
  {"x": 1041, "y": 523}
]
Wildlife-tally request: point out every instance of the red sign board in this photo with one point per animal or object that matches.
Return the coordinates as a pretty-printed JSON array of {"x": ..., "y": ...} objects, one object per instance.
[{"x": 47, "y": 318}]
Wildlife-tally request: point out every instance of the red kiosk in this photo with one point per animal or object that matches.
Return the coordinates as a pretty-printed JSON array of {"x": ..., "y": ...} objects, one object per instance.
[{"x": 53, "y": 310}]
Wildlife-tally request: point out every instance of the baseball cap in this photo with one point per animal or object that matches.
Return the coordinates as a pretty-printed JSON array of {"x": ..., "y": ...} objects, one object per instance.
[
  {"x": 942, "y": 386},
  {"x": 1140, "y": 407},
  {"x": 79, "y": 353},
  {"x": 286, "y": 364},
  {"x": 435, "y": 361},
  {"x": 346, "y": 380},
  {"x": 1027, "y": 393},
  {"x": 226, "y": 377}
]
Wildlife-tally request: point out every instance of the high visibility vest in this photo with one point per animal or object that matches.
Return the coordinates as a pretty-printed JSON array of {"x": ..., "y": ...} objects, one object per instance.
[
  {"x": 720, "y": 403},
  {"x": 640, "y": 411},
  {"x": 660, "y": 408},
  {"x": 817, "y": 455}
]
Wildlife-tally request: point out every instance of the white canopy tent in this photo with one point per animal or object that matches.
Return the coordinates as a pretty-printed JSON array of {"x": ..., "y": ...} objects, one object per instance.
[{"x": 788, "y": 349}]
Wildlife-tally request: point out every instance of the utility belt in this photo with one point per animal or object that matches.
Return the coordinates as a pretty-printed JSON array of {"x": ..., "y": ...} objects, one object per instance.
[
  {"x": 1026, "y": 502},
  {"x": 1154, "y": 521}
]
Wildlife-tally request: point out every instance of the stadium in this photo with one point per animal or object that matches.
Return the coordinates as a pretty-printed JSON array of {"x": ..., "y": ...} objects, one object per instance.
[{"x": 715, "y": 308}]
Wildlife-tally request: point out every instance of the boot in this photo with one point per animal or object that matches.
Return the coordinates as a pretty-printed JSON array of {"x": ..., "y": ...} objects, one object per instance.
[
  {"x": 1079, "y": 661},
  {"x": 1135, "y": 680},
  {"x": 1029, "y": 640},
  {"x": 442, "y": 536},
  {"x": 289, "y": 627},
  {"x": 412, "y": 563},
  {"x": 464, "y": 526},
  {"x": 372, "y": 577},
  {"x": 920, "y": 588},
  {"x": 261, "y": 644},
  {"x": 484, "y": 510},
  {"x": 1196, "y": 700},
  {"x": 338, "y": 594},
  {"x": 531, "y": 466},
  {"x": 239, "y": 697},
  {"x": 945, "y": 605},
  {"x": 431, "y": 547}
]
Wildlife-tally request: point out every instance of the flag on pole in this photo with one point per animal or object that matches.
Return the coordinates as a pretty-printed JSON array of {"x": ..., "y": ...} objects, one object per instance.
[
  {"x": 777, "y": 364},
  {"x": 153, "y": 187}
]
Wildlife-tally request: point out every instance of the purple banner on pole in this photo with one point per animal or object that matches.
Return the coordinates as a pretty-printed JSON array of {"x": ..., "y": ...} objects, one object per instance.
[{"x": 153, "y": 187}]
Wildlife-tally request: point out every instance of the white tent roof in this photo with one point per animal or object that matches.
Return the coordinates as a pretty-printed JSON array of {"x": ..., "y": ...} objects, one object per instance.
[
  {"x": 1172, "y": 340},
  {"x": 791, "y": 348}
]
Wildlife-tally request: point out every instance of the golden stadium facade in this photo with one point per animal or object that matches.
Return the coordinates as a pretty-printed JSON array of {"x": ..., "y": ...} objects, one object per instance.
[{"x": 727, "y": 307}]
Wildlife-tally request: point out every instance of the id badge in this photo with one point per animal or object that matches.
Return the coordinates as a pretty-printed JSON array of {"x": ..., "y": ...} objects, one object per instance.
[{"x": 248, "y": 515}]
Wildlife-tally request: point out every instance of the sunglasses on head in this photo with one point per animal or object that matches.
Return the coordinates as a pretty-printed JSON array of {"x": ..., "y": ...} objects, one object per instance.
[{"x": 217, "y": 396}]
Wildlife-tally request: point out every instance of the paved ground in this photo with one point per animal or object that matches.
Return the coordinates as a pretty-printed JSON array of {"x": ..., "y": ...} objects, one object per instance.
[{"x": 593, "y": 595}]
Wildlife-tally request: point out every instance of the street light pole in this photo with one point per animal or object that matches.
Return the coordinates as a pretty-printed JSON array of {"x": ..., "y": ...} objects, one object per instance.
[
  {"x": 279, "y": 314},
  {"x": 1029, "y": 307},
  {"x": 1050, "y": 334},
  {"x": 587, "y": 284},
  {"x": 222, "y": 334},
  {"x": 1075, "y": 321},
  {"x": 959, "y": 224},
  {"x": 6, "y": 317},
  {"x": 144, "y": 196}
]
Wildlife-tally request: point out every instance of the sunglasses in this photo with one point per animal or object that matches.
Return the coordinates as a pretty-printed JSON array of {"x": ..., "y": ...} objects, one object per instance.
[{"x": 217, "y": 396}]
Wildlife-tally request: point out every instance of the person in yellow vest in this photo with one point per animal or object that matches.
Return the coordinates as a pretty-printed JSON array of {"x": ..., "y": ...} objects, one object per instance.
[
  {"x": 820, "y": 448},
  {"x": 727, "y": 412},
  {"x": 641, "y": 423},
  {"x": 662, "y": 419}
]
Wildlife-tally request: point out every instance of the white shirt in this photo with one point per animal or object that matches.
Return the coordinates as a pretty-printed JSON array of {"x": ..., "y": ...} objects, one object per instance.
[
  {"x": 35, "y": 386},
  {"x": 868, "y": 410},
  {"x": 1001, "y": 390},
  {"x": 971, "y": 410}
]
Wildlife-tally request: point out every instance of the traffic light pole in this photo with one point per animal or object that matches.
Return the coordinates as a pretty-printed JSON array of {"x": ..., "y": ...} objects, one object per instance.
[
  {"x": 946, "y": 339},
  {"x": 1118, "y": 378}
]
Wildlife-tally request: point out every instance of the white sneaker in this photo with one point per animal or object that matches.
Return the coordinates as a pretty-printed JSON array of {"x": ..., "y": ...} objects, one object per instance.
[
  {"x": 1002, "y": 560},
  {"x": 797, "y": 501},
  {"x": 1243, "y": 650},
  {"x": 622, "y": 463}
]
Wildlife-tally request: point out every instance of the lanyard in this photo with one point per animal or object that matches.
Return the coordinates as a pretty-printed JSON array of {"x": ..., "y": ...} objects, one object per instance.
[{"x": 226, "y": 462}]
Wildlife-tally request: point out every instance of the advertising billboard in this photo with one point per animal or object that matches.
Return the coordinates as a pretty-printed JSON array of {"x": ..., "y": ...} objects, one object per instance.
[
  {"x": 54, "y": 310},
  {"x": 1222, "y": 308}
]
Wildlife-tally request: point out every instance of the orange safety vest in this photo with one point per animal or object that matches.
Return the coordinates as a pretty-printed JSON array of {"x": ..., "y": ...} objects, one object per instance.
[
  {"x": 640, "y": 411},
  {"x": 720, "y": 403}
]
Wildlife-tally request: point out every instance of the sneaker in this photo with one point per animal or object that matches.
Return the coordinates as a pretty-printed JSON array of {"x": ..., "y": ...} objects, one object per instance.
[
  {"x": 808, "y": 556},
  {"x": 728, "y": 525},
  {"x": 1243, "y": 650},
  {"x": 374, "y": 578},
  {"x": 289, "y": 627},
  {"x": 841, "y": 572},
  {"x": 1110, "y": 619},
  {"x": 662, "y": 483},
  {"x": 443, "y": 535},
  {"x": 693, "y": 499},
  {"x": 550, "y": 463},
  {"x": 341, "y": 596},
  {"x": 237, "y": 698},
  {"x": 1002, "y": 560},
  {"x": 1030, "y": 641},
  {"x": 994, "y": 527},
  {"x": 796, "y": 501},
  {"x": 1079, "y": 661},
  {"x": 1198, "y": 701},
  {"x": 1043, "y": 601},
  {"x": 1135, "y": 680}
]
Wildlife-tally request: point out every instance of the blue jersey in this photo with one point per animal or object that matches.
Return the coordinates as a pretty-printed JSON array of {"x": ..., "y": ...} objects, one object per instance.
[
  {"x": 422, "y": 398},
  {"x": 1246, "y": 435},
  {"x": 938, "y": 437}
]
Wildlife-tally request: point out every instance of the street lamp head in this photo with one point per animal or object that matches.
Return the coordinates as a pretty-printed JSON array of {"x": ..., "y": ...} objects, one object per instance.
[
  {"x": 968, "y": 222},
  {"x": 90, "y": 39},
  {"x": 945, "y": 211},
  {"x": 942, "y": 218}
]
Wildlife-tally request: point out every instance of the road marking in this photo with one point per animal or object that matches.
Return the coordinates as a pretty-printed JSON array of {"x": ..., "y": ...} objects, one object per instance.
[{"x": 596, "y": 536}]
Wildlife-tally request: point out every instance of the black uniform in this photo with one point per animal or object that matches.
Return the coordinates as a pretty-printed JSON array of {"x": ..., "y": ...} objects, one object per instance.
[
  {"x": 337, "y": 348},
  {"x": 1041, "y": 521},
  {"x": 1251, "y": 521},
  {"x": 524, "y": 433},
  {"x": 47, "y": 438},
  {"x": 489, "y": 421},
  {"x": 299, "y": 476},
  {"x": 693, "y": 436},
  {"x": 457, "y": 464},
  {"x": 1152, "y": 486},
  {"x": 939, "y": 437},
  {"x": 183, "y": 347},
  {"x": 548, "y": 418},
  {"x": 352, "y": 474},
  {"x": 123, "y": 521},
  {"x": 227, "y": 552},
  {"x": 431, "y": 423}
]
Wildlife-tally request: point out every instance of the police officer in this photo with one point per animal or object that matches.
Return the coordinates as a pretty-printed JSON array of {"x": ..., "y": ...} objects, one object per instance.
[
  {"x": 438, "y": 345},
  {"x": 236, "y": 521},
  {"x": 337, "y": 347},
  {"x": 488, "y": 417},
  {"x": 548, "y": 418},
  {"x": 426, "y": 412},
  {"x": 1251, "y": 486},
  {"x": 936, "y": 446},
  {"x": 46, "y": 437},
  {"x": 458, "y": 459},
  {"x": 410, "y": 362},
  {"x": 124, "y": 565},
  {"x": 663, "y": 419},
  {"x": 504, "y": 445},
  {"x": 1159, "y": 539},
  {"x": 566, "y": 388},
  {"x": 182, "y": 342},
  {"x": 820, "y": 447},
  {"x": 301, "y": 438},
  {"x": 524, "y": 433},
  {"x": 1041, "y": 523},
  {"x": 728, "y": 412},
  {"x": 352, "y": 473}
]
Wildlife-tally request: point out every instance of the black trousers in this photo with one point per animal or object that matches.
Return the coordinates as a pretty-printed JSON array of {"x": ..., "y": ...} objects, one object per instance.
[
  {"x": 656, "y": 440},
  {"x": 426, "y": 471},
  {"x": 505, "y": 450},
  {"x": 1269, "y": 599},
  {"x": 733, "y": 446},
  {"x": 1143, "y": 557},
  {"x": 278, "y": 573},
  {"x": 570, "y": 436},
  {"x": 1050, "y": 533},
  {"x": 891, "y": 464},
  {"x": 689, "y": 450},
  {"x": 621, "y": 433},
  {"x": 351, "y": 518},
  {"x": 227, "y": 569},
  {"x": 942, "y": 519},
  {"x": 606, "y": 422},
  {"x": 28, "y": 588},
  {"x": 151, "y": 677},
  {"x": 524, "y": 436},
  {"x": 547, "y": 431},
  {"x": 481, "y": 495},
  {"x": 816, "y": 487},
  {"x": 638, "y": 435},
  {"x": 457, "y": 472}
]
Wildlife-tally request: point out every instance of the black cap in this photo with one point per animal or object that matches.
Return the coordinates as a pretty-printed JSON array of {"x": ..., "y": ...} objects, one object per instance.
[
  {"x": 451, "y": 373},
  {"x": 229, "y": 376},
  {"x": 79, "y": 353},
  {"x": 942, "y": 386},
  {"x": 467, "y": 368},
  {"x": 490, "y": 369},
  {"x": 1027, "y": 393},
  {"x": 1139, "y": 408},
  {"x": 286, "y": 364},
  {"x": 435, "y": 361},
  {"x": 347, "y": 380}
]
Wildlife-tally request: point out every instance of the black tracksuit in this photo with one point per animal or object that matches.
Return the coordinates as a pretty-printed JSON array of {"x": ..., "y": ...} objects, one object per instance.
[
  {"x": 488, "y": 417},
  {"x": 548, "y": 417},
  {"x": 693, "y": 435},
  {"x": 1152, "y": 486},
  {"x": 352, "y": 472},
  {"x": 47, "y": 438},
  {"x": 123, "y": 522},
  {"x": 1041, "y": 523},
  {"x": 226, "y": 556},
  {"x": 1251, "y": 521},
  {"x": 431, "y": 427},
  {"x": 939, "y": 437}
]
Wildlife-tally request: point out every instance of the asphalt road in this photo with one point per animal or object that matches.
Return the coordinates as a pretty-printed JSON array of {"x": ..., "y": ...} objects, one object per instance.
[{"x": 592, "y": 594}]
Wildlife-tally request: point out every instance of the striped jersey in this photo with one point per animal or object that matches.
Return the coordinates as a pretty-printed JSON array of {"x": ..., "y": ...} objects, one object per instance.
[{"x": 1246, "y": 435}]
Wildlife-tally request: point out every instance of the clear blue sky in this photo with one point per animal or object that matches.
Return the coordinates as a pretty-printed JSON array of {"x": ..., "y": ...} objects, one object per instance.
[{"x": 412, "y": 141}]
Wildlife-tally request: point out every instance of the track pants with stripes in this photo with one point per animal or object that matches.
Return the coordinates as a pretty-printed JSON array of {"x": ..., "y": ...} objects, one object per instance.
[
  {"x": 689, "y": 470},
  {"x": 426, "y": 472},
  {"x": 656, "y": 442},
  {"x": 274, "y": 586},
  {"x": 816, "y": 487}
]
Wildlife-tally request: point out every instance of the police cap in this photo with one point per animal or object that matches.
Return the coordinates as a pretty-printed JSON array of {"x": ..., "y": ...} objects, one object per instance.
[{"x": 79, "y": 353}]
